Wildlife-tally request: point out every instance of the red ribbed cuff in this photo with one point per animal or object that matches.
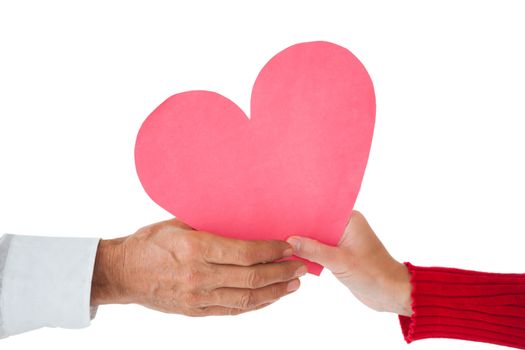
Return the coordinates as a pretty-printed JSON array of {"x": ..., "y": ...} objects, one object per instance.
[{"x": 468, "y": 305}]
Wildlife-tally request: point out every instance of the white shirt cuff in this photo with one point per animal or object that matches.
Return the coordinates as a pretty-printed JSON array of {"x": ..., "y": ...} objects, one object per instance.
[{"x": 45, "y": 282}]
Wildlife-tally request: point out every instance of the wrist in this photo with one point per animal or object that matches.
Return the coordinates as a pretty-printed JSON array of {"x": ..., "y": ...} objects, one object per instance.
[
  {"x": 106, "y": 284},
  {"x": 401, "y": 291}
]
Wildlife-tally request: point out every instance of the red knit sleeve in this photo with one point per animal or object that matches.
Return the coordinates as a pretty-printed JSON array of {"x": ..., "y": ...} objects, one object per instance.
[{"x": 468, "y": 305}]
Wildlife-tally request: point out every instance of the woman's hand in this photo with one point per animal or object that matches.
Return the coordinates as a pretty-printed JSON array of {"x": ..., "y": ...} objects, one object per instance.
[{"x": 362, "y": 263}]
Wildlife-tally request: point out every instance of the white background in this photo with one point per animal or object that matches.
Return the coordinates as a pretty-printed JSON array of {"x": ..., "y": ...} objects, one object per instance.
[{"x": 445, "y": 181}]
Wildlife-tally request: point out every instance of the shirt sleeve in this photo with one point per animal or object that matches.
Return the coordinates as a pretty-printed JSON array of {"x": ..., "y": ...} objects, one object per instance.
[
  {"x": 468, "y": 305},
  {"x": 45, "y": 282}
]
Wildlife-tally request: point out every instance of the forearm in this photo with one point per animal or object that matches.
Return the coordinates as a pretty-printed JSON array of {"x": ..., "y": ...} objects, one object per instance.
[
  {"x": 468, "y": 305},
  {"x": 45, "y": 281}
]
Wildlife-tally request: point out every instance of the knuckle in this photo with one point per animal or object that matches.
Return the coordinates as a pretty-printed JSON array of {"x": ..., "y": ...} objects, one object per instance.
[
  {"x": 203, "y": 311},
  {"x": 248, "y": 257},
  {"x": 191, "y": 300},
  {"x": 314, "y": 249},
  {"x": 234, "y": 312},
  {"x": 247, "y": 300},
  {"x": 191, "y": 277},
  {"x": 189, "y": 246},
  {"x": 254, "y": 279},
  {"x": 276, "y": 247},
  {"x": 357, "y": 218},
  {"x": 210, "y": 251},
  {"x": 357, "y": 213},
  {"x": 164, "y": 227},
  {"x": 265, "y": 251},
  {"x": 193, "y": 312},
  {"x": 277, "y": 291},
  {"x": 288, "y": 272},
  {"x": 245, "y": 254}
]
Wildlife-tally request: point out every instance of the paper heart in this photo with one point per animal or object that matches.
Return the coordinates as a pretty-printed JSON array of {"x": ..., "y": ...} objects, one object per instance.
[{"x": 294, "y": 168}]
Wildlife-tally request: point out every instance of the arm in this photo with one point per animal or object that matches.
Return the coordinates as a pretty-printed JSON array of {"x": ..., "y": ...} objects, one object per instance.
[
  {"x": 44, "y": 281},
  {"x": 431, "y": 302},
  {"x": 168, "y": 266},
  {"x": 468, "y": 305}
]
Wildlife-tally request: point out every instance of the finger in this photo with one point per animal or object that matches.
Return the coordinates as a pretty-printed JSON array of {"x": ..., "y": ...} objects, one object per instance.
[
  {"x": 222, "y": 250},
  {"x": 244, "y": 299},
  {"x": 258, "y": 276},
  {"x": 315, "y": 251},
  {"x": 222, "y": 311}
]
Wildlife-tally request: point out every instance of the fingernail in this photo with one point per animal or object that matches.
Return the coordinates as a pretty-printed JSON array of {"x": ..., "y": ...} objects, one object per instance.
[
  {"x": 295, "y": 243},
  {"x": 288, "y": 252},
  {"x": 293, "y": 286},
  {"x": 301, "y": 271}
]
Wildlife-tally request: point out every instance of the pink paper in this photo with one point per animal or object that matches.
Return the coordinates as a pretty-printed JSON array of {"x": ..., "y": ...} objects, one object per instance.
[{"x": 294, "y": 168}]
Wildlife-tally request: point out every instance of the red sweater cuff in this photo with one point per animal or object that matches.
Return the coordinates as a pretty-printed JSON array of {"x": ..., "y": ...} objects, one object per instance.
[{"x": 468, "y": 305}]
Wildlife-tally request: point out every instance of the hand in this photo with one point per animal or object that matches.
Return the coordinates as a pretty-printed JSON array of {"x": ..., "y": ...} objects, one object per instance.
[
  {"x": 170, "y": 267},
  {"x": 362, "y": 263}
]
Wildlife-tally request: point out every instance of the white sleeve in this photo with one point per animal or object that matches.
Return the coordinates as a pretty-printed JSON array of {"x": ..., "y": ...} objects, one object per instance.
[{"x": 45, "y": 282}]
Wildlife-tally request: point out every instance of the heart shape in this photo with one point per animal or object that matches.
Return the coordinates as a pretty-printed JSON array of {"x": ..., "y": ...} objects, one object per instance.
[{"x": 294, "y": 168}]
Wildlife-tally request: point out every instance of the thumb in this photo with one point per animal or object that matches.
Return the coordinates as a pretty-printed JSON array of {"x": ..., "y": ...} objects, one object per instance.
[{"x": 315, "y": 251}]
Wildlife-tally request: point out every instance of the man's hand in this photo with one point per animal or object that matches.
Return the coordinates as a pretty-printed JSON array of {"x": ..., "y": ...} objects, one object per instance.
[
  {"x": 362, "y": 263},
  {"x": 170, "y": 267}
]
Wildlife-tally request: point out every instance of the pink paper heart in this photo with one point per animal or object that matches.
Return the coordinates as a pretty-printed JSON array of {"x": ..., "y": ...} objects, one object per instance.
[{"x": 294, "y": 168}]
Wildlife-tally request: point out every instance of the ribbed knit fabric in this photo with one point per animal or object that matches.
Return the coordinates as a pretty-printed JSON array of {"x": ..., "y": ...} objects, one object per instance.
[{"x": 468, "y": 305}]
